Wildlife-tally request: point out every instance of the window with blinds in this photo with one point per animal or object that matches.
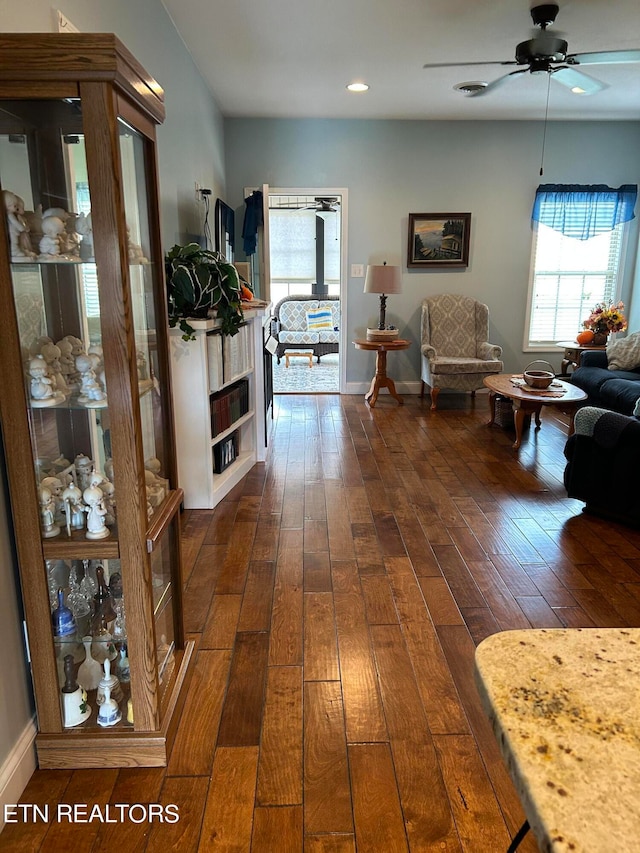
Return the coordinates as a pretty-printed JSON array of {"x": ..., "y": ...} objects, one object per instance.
[{"x": 569, "y": 277}]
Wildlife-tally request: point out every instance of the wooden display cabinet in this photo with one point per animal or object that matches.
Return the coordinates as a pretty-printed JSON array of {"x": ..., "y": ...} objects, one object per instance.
[{"x": 78, "y": 117}]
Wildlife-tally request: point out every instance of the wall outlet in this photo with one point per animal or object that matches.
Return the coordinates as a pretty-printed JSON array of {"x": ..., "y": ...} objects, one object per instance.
[{"x": 357, "y": 270}]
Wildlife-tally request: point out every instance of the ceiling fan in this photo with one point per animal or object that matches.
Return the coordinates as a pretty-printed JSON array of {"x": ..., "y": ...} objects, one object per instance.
[
  {"x": 546, "y": 54},
  {"x": 319, "y": 204}
]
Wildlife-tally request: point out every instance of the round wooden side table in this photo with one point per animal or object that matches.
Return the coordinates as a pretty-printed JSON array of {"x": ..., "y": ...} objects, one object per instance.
[{"x": 381, "y": 380}]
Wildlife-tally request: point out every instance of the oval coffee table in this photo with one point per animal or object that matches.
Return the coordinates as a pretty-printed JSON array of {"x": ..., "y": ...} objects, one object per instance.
[{"x": 528, "y": 401}]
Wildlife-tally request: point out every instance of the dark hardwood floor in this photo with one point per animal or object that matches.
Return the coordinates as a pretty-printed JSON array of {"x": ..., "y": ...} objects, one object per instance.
[{"x": 337, "y": 597}]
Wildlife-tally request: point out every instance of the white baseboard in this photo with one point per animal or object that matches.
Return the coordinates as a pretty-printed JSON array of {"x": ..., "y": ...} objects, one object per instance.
[{"x": 18, "y": 768}]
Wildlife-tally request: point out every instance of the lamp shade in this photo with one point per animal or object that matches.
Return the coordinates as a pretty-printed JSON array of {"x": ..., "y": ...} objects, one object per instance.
[{"x": 382, "y": 278}]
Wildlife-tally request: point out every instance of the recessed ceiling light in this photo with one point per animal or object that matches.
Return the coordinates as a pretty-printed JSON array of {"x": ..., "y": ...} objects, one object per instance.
[
  {"x": 358, "y": 87},
  {"x": 578, "y": 90},
  {"x": 471, "y": 87}
]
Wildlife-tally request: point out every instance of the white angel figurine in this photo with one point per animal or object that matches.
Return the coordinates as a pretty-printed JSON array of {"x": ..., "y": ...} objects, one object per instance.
[
  {"x": 85, "y": 230},
  {"x": 56, "y": 487},
  {"x": 96, "y": 512}
]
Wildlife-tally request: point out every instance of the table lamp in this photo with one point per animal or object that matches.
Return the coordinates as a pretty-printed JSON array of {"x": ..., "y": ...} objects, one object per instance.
[{"x": 382, "y": 279}]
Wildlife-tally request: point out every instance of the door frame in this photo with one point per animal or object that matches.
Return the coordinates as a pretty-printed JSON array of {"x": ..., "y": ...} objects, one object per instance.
[{"x": 344, "y": 206}]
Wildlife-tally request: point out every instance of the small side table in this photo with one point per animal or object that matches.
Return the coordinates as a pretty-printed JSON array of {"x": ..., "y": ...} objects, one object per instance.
[
  {"x": 381, "y": 380},
  {"x": 573, "y": 353},
  {"x": 298, "y": 353}
]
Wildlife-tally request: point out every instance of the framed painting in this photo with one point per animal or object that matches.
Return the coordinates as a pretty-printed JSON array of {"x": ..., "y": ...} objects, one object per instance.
[{"x": 438, "y": 240}]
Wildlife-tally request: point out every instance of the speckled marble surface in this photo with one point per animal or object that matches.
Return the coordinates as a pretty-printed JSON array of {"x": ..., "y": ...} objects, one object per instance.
[{"x": 565, "y": 707}]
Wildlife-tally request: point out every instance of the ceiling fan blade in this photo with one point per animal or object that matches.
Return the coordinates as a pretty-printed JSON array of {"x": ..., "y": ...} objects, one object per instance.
[
  {"x": 604, "y": 57},
  {"x": 494, "y": 84},
  {"x": 577, "y": 81},
  {"x": 463, "y": 64}
]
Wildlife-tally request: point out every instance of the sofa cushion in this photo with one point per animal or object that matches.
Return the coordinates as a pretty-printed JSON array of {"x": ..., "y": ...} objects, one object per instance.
[
  {"x": 288, "y": 337},
  {"x": 329, "y": 336},
  {"x": 451, "y": 365},
  {"x": 293, "y": 315},
  {"x": 620, "y": 395},
  {"x": 334, "y": 305},
  {"x": 625, "y": 353}
]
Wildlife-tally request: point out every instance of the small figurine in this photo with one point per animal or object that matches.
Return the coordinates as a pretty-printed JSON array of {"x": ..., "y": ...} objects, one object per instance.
[
  {"x": 122, "y": 667},
  {"x": 109, "y": 681},
  {"x": 84, "y": 470},
  {"x": 19, "y": 238},
  {"x": 73, "y": 507},
  {"x": 91, "y": 394},
  {"x": 47, "y": 513},
  {"x": 34, "y": 223},
  {"x": 84, "y": 229},
  {"x": 51, "y": 353},
  {"x": 95, "y": 509},
  {"x": 56, "y": 487},
  {"x": 136, "y": 255},
  {"x": 51, "y": 243},
  {"x": 68, "y": 365},
  {"x": 42, "y": 389}
]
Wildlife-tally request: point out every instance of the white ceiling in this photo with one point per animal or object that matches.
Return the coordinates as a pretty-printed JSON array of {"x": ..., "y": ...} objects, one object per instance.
[{"x": 293, "y": 58}]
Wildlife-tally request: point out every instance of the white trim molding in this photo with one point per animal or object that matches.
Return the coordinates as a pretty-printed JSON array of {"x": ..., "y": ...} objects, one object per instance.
[{"x": 18, "y": 768}]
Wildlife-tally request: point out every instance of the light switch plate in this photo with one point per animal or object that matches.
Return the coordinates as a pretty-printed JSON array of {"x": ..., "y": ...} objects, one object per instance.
[{"x": 357, "y": 270}]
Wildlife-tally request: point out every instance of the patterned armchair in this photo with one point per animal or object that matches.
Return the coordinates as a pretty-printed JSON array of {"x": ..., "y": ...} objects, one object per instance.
[{"x": 455, "y": 351}]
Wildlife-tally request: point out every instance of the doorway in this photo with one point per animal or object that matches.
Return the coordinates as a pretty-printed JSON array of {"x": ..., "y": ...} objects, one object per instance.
[{"x": 307, "y": 258}]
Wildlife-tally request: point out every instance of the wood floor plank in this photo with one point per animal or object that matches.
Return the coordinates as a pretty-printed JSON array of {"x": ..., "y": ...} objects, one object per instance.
[
  {"x": 460, "y": 651},
  {"x": 377, "y": 813},
  {"x": 334, "y": 843},
  {"x": 277, "y": 829},
  {"x": 362, "y": 704},
  {"x": 327, "y": 796},
  {"x": 235, "y": 566},
  {"x": 320, "y": 641},
  {"x": 194, "y": 745},
  {"x": 427, "y": 814},
  {"x": 440, "y": 602},
  {"x": 255, "y": 614},
  {"x": 437, "y": 689},
  {"x": 317, "y": 572},
  {"x": 475, "y": 808},
  {"x": 228, "y": 816},
  {"x": 241, "y": 719},
  {"x": 378, "y": 598},
  {"x": 286, "y": 638},
  {"x": 135, "y": 788},
  {"x": 199, "y": 590},
  {"x": 219, "y": 630},
  {"x": 25, "y": 830},
  {"x": 84, "y": 789},
  {"x": 280, "y": 765},
  {"x": 189, "y": 794}
]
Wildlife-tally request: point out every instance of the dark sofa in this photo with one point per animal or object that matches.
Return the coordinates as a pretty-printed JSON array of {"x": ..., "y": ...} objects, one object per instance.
[
  {"x": 603, "y": 456},
  {"x": 617, "y": 390}
]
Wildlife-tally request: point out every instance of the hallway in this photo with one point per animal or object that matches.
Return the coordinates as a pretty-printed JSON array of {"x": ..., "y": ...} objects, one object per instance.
[{"x": 336, "y": 597}]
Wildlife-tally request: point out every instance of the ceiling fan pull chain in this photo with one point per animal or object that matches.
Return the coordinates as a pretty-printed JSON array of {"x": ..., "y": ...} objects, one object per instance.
[{"x": 544, "y": 131}]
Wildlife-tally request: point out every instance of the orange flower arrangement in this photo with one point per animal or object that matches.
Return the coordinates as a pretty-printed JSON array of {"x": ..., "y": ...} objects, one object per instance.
[{"x": 606, "y": 318}]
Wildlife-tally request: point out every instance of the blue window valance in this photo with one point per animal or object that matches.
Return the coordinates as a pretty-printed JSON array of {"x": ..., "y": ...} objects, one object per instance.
[{"x": 582, "y": 211}]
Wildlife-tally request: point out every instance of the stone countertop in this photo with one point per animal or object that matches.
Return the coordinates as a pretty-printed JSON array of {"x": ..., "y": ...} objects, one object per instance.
[{"x": 565, "y": 708}]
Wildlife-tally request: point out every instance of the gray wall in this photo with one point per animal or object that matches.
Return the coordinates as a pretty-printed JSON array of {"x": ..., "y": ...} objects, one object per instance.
[
  {"x": 190, "y": 148},
  {"x": 392, "y": 168}
]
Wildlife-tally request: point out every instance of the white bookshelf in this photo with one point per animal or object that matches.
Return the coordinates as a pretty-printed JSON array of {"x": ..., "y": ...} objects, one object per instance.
[{"x": 201, "y": 371}]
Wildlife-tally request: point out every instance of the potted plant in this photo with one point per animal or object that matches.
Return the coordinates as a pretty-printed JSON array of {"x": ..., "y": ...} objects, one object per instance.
[{"x": 198, "y": 281}]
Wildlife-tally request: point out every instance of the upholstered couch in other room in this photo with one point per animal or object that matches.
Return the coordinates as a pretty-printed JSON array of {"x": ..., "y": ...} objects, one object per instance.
[
  {"x": 603, "y": 456},
  {"x": 611, "y": 378},
  {"x": 307, "y": 323}
]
